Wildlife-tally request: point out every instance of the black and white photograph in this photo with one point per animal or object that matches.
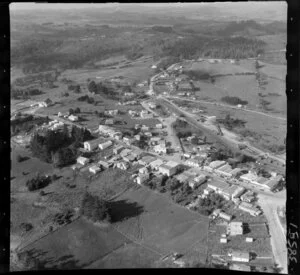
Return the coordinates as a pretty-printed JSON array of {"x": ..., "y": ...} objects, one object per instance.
[{"x": 148, "y": 135}]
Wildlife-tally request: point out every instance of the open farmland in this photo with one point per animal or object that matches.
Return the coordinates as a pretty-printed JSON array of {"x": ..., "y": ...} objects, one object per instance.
[
  {"x": 274, "y": 71},
  {"x": 164, "y": 226},
  {"x": 222, "y": 68}
]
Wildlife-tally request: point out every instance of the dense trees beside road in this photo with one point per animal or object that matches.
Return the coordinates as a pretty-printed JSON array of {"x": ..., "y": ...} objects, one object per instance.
[
  {"x": 17, "y": 93},
  {"x": 210, "y": 203},
  {"x": 231, "y": 123},
  {"x": 38, "y": 182},
  {"x": 233, "y": 100}
]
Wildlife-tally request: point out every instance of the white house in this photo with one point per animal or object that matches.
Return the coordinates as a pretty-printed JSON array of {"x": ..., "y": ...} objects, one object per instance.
[
  {"x": 240, "y": 256},
  {"x": 82, "y": 160},
  {"x": 141, "y": 178},
  {"x": 73, "y": 118},
  {"x": 160, "y": 148},
  {"x": 169, "y": 169},
  {"x": 105, "y": 145},
  {"x": 94, "y": 169},
  {"x": 235, "y": 228},
  {"x": 91, "y": 144},
  {"x": 156, "y": 163}
]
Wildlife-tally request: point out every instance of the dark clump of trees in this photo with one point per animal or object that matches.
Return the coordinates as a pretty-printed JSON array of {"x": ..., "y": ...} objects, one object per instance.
[
  {"x": 197, "y": 74},
  {"x": 221, "y": 154},
  {"x": 64, "y": 218},
  {"x": 58, "y": 147},
  {"x": 86, "y": 98},
  {"x": 103, "y": 90},
  {"x": 38, "y": 182},
  {"x": 75, "y": 88},
  {"x": 231, "y": 123},
  {"x": 210, "y": 203},
  {"x": 94, "y": 208},
  {"x": 233, "y": 100},
  {"x": 164, "y": 29},
  {"x": 24, "y": 93}
]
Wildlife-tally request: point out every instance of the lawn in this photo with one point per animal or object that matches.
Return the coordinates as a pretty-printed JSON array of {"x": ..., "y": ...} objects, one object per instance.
[
  {"x": 163, "y": 226},
  {"x": 225, "y": 67},
  {"x": 76, "y": 245}
]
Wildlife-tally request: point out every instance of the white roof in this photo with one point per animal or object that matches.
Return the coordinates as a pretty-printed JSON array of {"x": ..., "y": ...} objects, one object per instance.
[
  {"x": 172, "y": 164},
  {"x": 216, "y": 163}
]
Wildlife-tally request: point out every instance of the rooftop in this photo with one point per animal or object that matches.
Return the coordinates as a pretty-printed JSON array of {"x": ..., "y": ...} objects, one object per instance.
[
  {"x": 219, "y": 184},
  {"x": 172, "y": 164},
  {"x": 225, "y": 168}
]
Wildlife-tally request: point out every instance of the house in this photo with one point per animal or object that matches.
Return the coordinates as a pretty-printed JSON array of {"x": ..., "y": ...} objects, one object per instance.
[
  {"x": 207, "y": 191},
  {"x": 118, "y": 149},
  {"x": 104, "y": 164},
  {"x": 249, "y": 177},
  {"x": 141, "y": 178},
  {"x": 127, "y": 140},
  {"x": 125, "y": 152},
  {"x": 224, "y": 170},
  {"x": 137, "y": 137},
  {"x": 197, "y": 181},
  {"x": 94, "y": 169},
  {"x": 217, "y": 186},
  {"x": 143, "y": 170},
  {"x": 111, "y": 112},
  {"x": 129, "y": 158},
  {"x": 207, "y": 168},
  {"x": 250, "y": 208},
  {"x": 235, "y": 228},
  {"x": 152, "y": 105},
  {"x": 145, "y": 114},
  {"x": 48, "y": 102},
  {"x": 225, "y": 216},
  {"x": 249, "y": 240},
  {"x": 216, "y": 212},
  {"x": 156, "y": 163},
  {"x": 91, "y": 144},
  {"x": 216, "y": 164},
  {"x": 146, "y": 160},
  {"x": 106, "y": 130},
  {"x": 73, "y": 118},
  {"x": 223, "y": 240},
  {"x": 148, "y": 134},
  {"x": 272, "y": 183},
  {"x": 109, "y": 122},
  {"x": 145, "y": 128},
  {"x": 83, "y": 160},
  {"x": 238, "y": 256},
  {"x": 159, "y": 126},
  {"x": 169, "y": 169},
  {"x": 122, "y": 165},
  {"x": 182, "y": 178},
  {"x": 160, "y": 148},
  {"x": 105, "y": 145},
  {"x": 249, "y": 196},
  {"x": 154, "y": 140},
  {"x": 231, "y": 192},
  {"x": 235, "y": 172}
]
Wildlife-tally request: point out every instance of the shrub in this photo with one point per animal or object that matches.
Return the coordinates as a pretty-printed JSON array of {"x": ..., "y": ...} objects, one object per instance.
[
  {"x": 233, "y": 100},
  {"x": 37, "y": 182},
  {"x": 26, "y": 226}
]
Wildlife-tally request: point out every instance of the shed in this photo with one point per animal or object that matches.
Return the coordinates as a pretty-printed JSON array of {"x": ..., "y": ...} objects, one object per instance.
[
  {"x": 249, "y": 240},
  {"x": 223, "y": 240}
]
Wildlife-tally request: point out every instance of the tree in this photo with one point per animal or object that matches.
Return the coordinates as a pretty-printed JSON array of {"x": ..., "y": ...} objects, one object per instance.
[
  {"x": 92, "y": 87},
  {"x": 71, "y": 111},
  {"x": 77, "y": 110}
]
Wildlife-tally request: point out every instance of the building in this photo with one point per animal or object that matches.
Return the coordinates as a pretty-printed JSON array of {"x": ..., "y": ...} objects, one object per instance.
[
  {"x": 156, "y": 163},
  {"x": 249, "y": 196},
  {"x": 137, "y": 137},
  {"x": 129, "y": 158},
  {"x": 225, "y": 216},
  {"x": 148, "y": 134},
  {"x": 235, "y": 172},
  {"x": 127, "y": 140},
  {"x": 118, "y": 149},
  {"x": 237, "y": 256},
  {"x": 111, "y": 112},
  {"x": 216, "y": 164},
  {"x": 197, "y": 181},
  {"x": 169, "y": 169},
  {"x": 249, "y": 177},
  {"x": 141, "y": 178},
  {"x": 232, "y": 192},
  {"x": 73, "y": 118},
  {"x": 249, "y": 240},
  {"x": 83, "y": 160},
  {"x": 195, "y": 162},
  {"x": 235, "y": 228},
  {"x": 182, "y": 178},
  {"x": 109, "y": 122},
  {"x": 152, "y": 105},
  {"x": 250, "y": 208},
  {"x": 223, "y": 240},
  {"x": 125, "y": 152},
  {"x": 122, "y": 165},
  {"x": 217, "y": 186},
  {"x": 272, "y": 183},
  {"x": 105, "y": 145},
  {"x": 145, "y": 128},
  {"x": 159, "y": 126},
  {"x": 143, "y": 170},
  {"x": 160, "y": 148},
  {"x": 104, "y": 164},
  {"x": 48, "y": 102},
  {"x": 146, "y": 160},
  {"x": 207, "y": 191},
  {"x": 91, "y": 144},
  {"x": 108, "y": 131},
  {"x": 145, "y": 114},
  {"x": 94, "y": 169},
  {"x": 224, "y": 170},
  {"x": 154, "y": 140}
]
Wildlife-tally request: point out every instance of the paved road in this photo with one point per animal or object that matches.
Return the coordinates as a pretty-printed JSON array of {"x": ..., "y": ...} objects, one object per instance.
[
  {"x": 227, "y": 106},
  {"x": 269, "y": 206}
]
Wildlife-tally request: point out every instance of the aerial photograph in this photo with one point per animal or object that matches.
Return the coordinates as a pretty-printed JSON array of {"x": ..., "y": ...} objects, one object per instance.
[{"x": 148, "y": 135}]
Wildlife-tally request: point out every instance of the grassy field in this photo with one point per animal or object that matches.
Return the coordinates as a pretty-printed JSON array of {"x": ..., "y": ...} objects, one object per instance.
[
  {"x": 76, "y": 245},
  {"x": 272, "y": 70},
  {"x": 163, "y": 226},
  {"x": 224, "y": 67}
]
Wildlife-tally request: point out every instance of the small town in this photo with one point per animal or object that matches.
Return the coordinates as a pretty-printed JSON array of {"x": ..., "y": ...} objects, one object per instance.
[{"x": 151, "y": 169}]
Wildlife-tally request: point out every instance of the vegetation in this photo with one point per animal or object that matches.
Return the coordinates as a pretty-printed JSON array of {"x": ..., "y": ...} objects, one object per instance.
[
  {"x": 75, "y": 88},
  {"x": 210, "y": 203},
  {"x": 38, "y": 182},
  {"x": 233, "y": 100},
  {"x": 24, "y": 93},
  {"x": 103, "y": 90},
  {"x": 198, "y": 74},
  {"x": 231, "y": 123},
  {"x": 94, "y": 208}
]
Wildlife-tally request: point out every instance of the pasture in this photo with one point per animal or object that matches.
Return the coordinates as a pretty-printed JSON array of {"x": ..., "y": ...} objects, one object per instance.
[{"x": 222, "y": 68}]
